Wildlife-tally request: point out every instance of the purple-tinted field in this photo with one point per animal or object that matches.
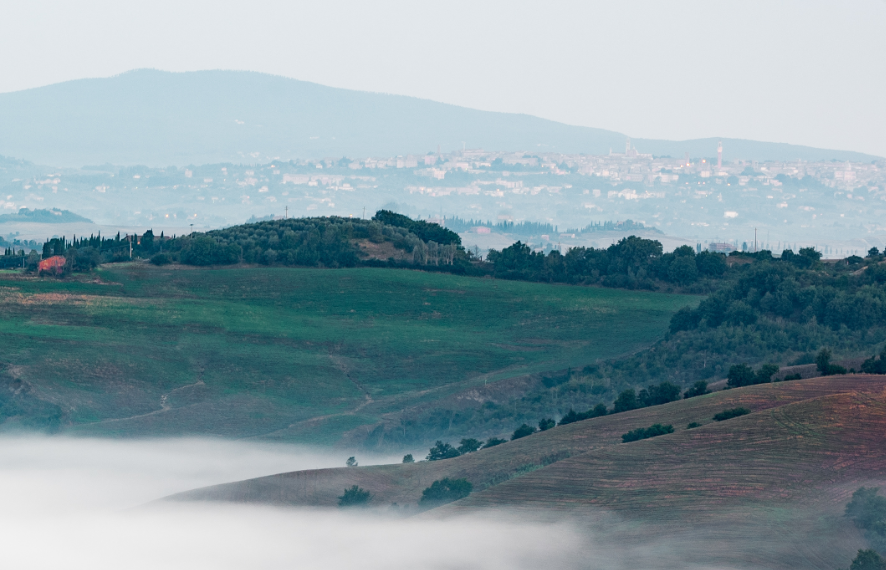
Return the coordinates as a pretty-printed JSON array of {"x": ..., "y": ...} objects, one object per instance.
[{"x": 766, "y": 487}]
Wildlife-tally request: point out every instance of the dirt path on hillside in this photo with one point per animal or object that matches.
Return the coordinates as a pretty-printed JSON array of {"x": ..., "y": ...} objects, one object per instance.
[
  {"x": 164, "y": 406},
  {"x": 346, "y": 370},
  {"x": 341, "y": 365}
]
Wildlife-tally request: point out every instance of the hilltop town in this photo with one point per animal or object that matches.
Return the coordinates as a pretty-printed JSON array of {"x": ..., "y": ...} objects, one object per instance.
[{"x": 696, "y": 202}]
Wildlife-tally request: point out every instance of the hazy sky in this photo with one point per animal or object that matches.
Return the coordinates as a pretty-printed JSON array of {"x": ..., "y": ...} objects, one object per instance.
[{"x": 806, "y": 72}]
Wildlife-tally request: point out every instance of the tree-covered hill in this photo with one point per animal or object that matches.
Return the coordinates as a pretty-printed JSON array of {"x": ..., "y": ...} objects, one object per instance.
[
  {"x": 759, "y": 309},
  {"x": 387, "y": 239}
]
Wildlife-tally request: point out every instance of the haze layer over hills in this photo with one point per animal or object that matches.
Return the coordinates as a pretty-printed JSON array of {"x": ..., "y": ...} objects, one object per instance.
[{"x": 159, "y": 118}]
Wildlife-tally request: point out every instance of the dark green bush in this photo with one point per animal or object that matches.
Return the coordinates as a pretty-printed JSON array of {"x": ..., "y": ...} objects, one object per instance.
[
  {"x": 743, "y": 375},
  {"x": 823, "y": 363},
  {"x": 868, "y": 560},
  {"x": 426, "y": 231},
  {"x": 469, "y": 445},
  {"x": 653, "y": 395},
  {"x": 626, "y": 401},
  {"x": 874, "y": 365},
  {"x": 354, "y": 497},
  {"x": 700, "y": 388},
  {"x": 645, "y": 433},
  {"x": 161, "y": 259},
  {"x": 442, "y": 451},
  {"x": 522, "y": 431},
  {"x": 693, "y": 425},
  {"x": 493, "y": 441},
  {"x": 205, "y": 250},
  {"x": 731, "y": 413},
  {"x": 572, "y": 416},
  {"x": 740, "y": 375},
  {"x": 446, "y": 491},
  {"x": 546, "y": 424},
  {"x": 868, "y": 511}
]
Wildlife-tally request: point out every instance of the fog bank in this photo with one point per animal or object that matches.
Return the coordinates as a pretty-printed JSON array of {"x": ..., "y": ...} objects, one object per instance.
[{"x": 69, "y": 503}]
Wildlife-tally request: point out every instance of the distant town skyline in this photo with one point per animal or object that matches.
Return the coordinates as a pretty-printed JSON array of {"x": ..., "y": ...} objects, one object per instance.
[{"x": 809, "y": 73}]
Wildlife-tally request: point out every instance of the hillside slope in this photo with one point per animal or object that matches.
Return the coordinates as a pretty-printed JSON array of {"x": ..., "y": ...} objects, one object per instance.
[
  {"x": 767, "y": 488},
  {"x": 159, "y": 118},
  {"x": 289, "y": 354}
]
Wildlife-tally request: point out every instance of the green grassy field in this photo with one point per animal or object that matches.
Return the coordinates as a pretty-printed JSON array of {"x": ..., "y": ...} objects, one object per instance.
[{"x": 297, "y": 354}]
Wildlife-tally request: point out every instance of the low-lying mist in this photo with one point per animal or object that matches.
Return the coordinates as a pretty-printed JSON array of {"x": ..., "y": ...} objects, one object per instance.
[{"x": 73, "y": 503}]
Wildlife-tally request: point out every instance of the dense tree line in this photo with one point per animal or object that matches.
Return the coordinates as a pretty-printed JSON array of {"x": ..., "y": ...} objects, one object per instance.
[
  {"x": 632, "y": 263},
  {"x": 780, "y": 290},
  {"x": 85, "y": 253},
  {"x": 653, "y": 395}
]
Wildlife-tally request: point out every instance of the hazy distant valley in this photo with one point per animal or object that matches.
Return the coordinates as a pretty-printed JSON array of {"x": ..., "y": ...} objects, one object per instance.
[{"x": 566, "y": 199}]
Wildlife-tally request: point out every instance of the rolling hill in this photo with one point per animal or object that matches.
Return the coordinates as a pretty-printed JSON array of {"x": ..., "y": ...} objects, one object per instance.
[
  {"x": 289, "y": 354},
  {"x": 158, "y": 118},
  {"x": 765, "y": 489}
]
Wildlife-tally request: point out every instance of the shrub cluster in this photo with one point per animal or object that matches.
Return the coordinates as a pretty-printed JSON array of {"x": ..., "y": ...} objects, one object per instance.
[
  {"x": 823, "y": 363},
  {"x": 645, "y": 433},
  {"x": 652, "y": 395},
  {"x": 700, "y": 388},
  {"x": 425, "y": 231},
  {"x": 731, "y": 413},
  {"x": 443, "y": 450},
  {"x": 874, "y": 365},
  {"x": 632, "y": 263},
  {"x": 868, "y": 560},
  {"x": 354, "y": 497},
  {"x": 867, "y": 510},
  {"x": 445, "y": 491},
  {"x": 743, "y": 375},
  {"x": 572, "y": 416}
]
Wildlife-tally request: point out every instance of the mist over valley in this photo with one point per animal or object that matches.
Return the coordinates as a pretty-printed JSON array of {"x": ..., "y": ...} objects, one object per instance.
[{"x": 572, "y": 285}]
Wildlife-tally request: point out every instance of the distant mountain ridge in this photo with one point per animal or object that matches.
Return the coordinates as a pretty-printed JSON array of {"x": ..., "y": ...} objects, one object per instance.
[{"x": 160, "y": 118}]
